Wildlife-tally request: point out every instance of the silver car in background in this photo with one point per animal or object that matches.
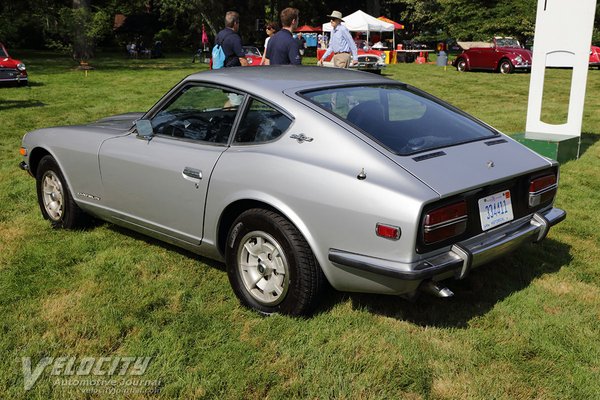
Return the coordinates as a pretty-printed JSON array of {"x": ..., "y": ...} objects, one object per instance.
[{"x": 294, "y": 176}]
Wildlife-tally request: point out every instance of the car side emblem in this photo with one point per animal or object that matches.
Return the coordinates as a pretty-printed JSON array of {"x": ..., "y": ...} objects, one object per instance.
[
  {"x": 490, "y": 164},
  {"x": 301, "y": 138}
]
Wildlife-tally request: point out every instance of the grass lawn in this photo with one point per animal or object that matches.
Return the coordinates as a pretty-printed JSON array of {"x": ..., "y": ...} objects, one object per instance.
[{"x": 526, "y": 326}]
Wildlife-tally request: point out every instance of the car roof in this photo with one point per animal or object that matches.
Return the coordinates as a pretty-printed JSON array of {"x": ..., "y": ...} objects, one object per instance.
[{"x": 286, "y": 78}]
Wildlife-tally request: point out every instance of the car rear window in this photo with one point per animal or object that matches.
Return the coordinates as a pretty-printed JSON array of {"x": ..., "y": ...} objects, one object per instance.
[{"x": 402, "y": 119}]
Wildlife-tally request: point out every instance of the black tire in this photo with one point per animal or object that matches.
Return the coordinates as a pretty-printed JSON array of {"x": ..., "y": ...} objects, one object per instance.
[
  {"x": 282, "y": 274},
  {"x": 505, "y": 67},
  {"x": 461, "y": 65},
  {"x": 54, "y": 197}
]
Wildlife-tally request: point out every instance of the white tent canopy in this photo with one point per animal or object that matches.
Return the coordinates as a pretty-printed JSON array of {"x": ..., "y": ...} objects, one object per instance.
[{"x": 360, "y": 21}]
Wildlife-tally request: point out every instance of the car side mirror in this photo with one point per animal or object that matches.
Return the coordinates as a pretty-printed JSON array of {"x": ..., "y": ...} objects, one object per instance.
[{"x": 144, "y": 129}]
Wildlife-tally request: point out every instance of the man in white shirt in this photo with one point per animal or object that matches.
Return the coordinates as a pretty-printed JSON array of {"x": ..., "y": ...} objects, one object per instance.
[{"x": 341, "y": 43}]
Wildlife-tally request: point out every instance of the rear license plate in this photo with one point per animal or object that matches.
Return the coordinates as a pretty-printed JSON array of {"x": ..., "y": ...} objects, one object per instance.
[{"x": 495, "y": 210}]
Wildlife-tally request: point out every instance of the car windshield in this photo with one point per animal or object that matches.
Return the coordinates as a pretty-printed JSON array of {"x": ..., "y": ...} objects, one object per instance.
[
  {"x": 252, "y": 51},
  {"x": 508, "y": 42},
  {"x": 402, "y": 119},
  {"x": 3, "y": 53}
]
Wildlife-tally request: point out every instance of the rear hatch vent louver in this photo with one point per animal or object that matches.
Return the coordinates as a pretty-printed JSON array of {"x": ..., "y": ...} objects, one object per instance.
[
  {"x": 428, "y": 156},
  {"x": 495, "y": 142}
]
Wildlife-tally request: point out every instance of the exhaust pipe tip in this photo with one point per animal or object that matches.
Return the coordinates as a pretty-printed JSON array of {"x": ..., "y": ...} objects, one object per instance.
[{"x": 436, "y": 290}]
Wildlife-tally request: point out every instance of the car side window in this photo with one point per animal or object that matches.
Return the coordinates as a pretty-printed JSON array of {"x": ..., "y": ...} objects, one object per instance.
[
  {"x": 200, "y": 113},
  {"x": 261, "y": 123}
]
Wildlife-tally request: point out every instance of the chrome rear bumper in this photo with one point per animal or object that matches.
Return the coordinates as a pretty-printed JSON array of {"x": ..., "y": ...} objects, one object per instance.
[{"x": 463, "y": 256}]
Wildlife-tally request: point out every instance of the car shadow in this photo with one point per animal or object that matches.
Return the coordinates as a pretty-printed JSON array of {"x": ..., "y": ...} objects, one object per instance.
[
  {"x": 473, "y": 296},
  {"x": 8, "y": 104},
  {"x": 156, "y": 242}
]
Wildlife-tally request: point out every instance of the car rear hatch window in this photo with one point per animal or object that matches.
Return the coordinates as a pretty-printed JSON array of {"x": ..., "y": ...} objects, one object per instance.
[{"x": 400, "y": 118}]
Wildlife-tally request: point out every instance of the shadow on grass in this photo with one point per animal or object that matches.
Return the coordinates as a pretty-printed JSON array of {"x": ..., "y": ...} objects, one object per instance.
[
  {"x": 145, "y": 67},
  {"x": 35, "y": 84},
  {"x": 156, "y": 242},
  {"x": 474, "y": 296},
  {"x": 588, "y": 139},
  {"x": 8, "y": 104}
]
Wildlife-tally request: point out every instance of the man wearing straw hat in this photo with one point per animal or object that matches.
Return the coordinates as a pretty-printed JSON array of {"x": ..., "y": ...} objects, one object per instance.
[{"x": 341, "y": 43}]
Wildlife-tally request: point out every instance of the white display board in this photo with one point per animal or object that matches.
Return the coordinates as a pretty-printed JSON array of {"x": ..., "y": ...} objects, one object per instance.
[{"x": 563, "y": 35}]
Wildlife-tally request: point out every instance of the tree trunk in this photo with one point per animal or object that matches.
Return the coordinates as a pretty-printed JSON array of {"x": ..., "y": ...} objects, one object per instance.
[{"x": 82, "y": 46}]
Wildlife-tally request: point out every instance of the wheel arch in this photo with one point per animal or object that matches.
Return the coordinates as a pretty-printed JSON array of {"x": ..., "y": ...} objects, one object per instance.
[
  {"x": 501, "y": 60},
  {"x": 467, "y": 61},
  {"x": 230, "y": 213},
  {"x": 237, "y": 207},
  {"x": 35, "y": 157}
]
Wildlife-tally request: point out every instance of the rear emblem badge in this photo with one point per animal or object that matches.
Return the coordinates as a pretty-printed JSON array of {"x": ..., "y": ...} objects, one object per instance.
[{"x": 490, "y": 164}]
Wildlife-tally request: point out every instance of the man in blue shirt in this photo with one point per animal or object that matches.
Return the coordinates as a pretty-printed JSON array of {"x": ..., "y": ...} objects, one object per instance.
[
  {"x": 283, "y": 48},
  {"x": 341, "y": 43},
  {"x": 231, "y": 42}
]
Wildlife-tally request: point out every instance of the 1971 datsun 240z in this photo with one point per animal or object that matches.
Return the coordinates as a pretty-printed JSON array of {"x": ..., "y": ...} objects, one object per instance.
[
  {"x": 504, "y": 55},
  {"x": 295, "y": 176}
]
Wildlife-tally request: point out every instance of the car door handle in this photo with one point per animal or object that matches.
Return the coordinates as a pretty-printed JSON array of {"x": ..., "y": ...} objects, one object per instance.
[{"x": 192, "y": 174}]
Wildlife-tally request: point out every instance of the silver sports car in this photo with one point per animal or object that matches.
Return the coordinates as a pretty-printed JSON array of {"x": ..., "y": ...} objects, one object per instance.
[{"x": 298, "y": 176}]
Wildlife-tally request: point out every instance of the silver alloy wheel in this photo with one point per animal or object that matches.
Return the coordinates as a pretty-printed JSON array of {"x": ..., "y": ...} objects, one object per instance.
[
  {"x": 461, "y": 66},
  {"x": 263, "y": 267},
  {"x": 53, "y": 195}
]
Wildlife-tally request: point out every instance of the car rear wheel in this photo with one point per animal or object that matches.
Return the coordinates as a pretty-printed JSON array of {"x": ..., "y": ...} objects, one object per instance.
[
  {"x": 270, "y": 266},
  {"x": 461, "y": 65},
  {"x": 54, "y": 196},
  {"x": 506, "y": 67}
]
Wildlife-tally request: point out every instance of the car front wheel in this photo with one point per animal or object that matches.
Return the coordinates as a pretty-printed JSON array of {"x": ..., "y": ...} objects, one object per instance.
[
  {"x": 270, "y": 266},
  {"x": 54, "y": 196},
  {"x": 506, "y": 67},
  {"x": 461, "y": 65}
]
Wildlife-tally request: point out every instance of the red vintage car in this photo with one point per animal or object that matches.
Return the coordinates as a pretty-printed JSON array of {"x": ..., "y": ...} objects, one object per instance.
[
  {"x": 253, "y": 56},
  {"x": 371, "y": 60},
  {"x": 504, "y": 55},
  {"x": 11, "y": 70},
  {"x": 595, "y": 57}
]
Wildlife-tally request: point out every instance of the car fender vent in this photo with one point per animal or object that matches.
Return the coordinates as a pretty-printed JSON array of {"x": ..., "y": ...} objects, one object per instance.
[
  {"x": 495, "y": 142},
  {"x": 428, "y": 156}
]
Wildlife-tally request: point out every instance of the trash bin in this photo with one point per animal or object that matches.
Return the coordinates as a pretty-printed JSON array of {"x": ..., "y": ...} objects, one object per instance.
[{"x": 442, "y": 59}]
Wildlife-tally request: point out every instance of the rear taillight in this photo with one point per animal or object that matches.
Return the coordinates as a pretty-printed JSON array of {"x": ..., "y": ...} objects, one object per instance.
[
  {"x": 542, "y": 190},
  {"x": 445, "y": 222}
]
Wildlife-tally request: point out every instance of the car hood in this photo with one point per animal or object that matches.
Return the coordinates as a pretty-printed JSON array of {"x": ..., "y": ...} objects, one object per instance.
[
  {"x": 118, "y": 122},
  {"x": 457, "y": 169},
  {"x": 9, "y": 63},
  {"x": 524, "y": 53}
]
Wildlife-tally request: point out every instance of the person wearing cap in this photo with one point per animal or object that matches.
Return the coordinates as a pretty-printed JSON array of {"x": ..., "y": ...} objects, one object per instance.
[{"x": 341, "y": 43}]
